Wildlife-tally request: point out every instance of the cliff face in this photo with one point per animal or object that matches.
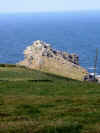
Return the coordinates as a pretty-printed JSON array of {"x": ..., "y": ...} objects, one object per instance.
[{"x": 42, "y": 57}]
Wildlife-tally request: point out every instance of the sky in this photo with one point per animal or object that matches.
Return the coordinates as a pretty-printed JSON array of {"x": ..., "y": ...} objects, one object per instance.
[{"x": 47, "y": 5}]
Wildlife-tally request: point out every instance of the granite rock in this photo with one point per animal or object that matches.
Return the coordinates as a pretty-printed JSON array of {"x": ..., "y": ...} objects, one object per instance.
[{"x": 42, "y": 56}]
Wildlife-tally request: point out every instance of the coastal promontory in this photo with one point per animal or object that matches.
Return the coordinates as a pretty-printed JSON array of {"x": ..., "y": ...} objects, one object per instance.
[{"x": 41, "y": 56}]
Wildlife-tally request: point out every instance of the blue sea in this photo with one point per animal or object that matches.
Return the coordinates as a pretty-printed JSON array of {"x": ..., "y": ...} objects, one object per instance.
[{"x": 73, "y": 32}]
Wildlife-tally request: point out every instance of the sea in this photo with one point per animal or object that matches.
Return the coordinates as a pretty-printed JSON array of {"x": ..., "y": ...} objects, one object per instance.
[{"x": 74, "y": 32}]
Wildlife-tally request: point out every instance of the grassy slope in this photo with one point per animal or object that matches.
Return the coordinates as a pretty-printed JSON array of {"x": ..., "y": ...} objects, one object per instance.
[{"x": 60, "y": 105}]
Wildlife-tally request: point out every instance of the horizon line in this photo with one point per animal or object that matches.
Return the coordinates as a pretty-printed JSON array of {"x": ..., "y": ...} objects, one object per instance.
[{"x": 65, "y": 11}]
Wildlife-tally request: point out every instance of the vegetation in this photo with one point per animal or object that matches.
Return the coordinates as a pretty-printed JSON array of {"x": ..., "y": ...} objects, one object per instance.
[{"x": 36, "y": 102}]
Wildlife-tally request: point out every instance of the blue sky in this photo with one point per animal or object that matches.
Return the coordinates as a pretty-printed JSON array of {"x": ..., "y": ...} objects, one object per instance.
[{"x": 47, "y": 5}]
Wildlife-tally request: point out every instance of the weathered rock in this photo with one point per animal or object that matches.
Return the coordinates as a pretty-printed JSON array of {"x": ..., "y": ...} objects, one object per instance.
[{"x": 40, "y": 55}]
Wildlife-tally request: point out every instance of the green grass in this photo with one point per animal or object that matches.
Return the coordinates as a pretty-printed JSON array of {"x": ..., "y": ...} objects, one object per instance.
[{"x": 37, "y": 102}]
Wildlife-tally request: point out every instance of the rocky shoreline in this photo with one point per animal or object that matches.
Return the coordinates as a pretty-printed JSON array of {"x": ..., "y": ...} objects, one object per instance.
[{"x": 41, "y": 56}]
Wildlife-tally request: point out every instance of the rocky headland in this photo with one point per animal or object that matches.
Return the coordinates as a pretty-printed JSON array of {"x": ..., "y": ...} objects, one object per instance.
[{"x": 41, "y": 56}]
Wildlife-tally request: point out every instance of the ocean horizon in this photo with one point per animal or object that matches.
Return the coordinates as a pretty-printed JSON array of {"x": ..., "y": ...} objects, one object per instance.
[{"x": 73, "y": 32}]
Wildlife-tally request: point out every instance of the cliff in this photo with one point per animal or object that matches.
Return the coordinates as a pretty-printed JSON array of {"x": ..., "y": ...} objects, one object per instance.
[{"x": 41, "y": 56}]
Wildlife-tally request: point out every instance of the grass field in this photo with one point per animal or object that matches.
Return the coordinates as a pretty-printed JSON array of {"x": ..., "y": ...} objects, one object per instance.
[{"x": 36, "y": 102}]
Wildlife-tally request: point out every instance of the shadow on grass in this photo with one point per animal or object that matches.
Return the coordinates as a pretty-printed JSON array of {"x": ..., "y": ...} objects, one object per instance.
[
  {"x": 26, "y": 109},
  {"x": 73, "y": 128},
  {"x": 40, "y": 80},
  {"x": 68, "y": 128}
]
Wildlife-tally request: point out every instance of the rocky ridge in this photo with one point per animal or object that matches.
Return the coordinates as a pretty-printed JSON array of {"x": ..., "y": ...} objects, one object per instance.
[{"x": 42, "y": 56}]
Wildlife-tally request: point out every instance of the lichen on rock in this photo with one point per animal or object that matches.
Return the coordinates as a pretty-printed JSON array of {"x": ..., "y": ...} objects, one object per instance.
[{"x": 42, "y": 56}]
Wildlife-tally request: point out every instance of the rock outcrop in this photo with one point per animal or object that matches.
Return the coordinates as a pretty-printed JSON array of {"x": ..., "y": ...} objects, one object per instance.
[{"x": 42, "y": 57}]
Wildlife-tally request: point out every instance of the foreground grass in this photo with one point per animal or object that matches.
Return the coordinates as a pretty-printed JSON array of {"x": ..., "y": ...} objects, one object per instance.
[{"x": 36, "y": 102}]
